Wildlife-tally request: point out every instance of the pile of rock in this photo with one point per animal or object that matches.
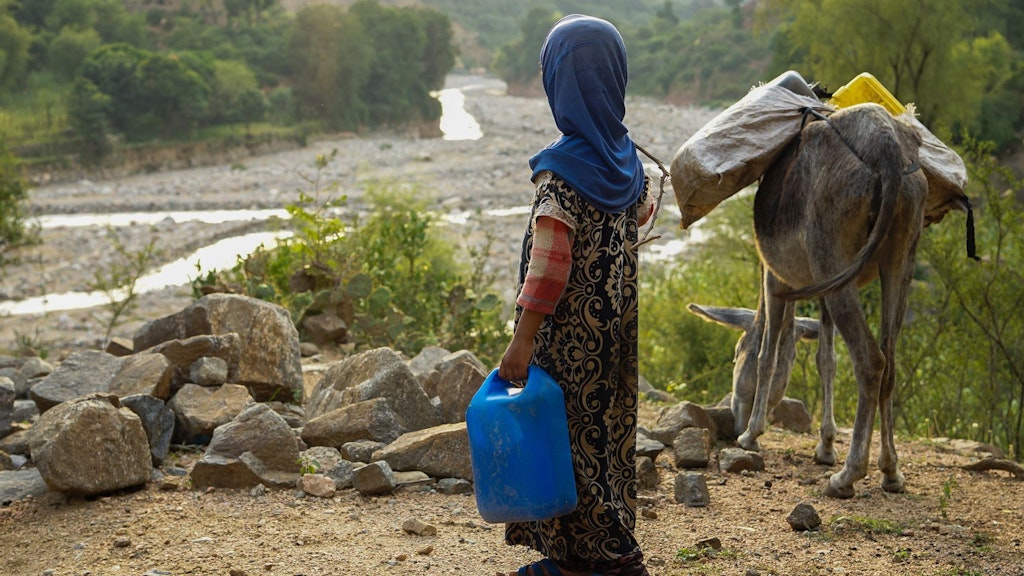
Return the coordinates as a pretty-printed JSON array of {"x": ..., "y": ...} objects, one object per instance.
[{"x": 225, "y": 378}]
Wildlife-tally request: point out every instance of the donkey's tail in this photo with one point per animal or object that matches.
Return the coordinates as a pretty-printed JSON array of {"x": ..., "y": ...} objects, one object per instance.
[{"x": 884, "y": 159}]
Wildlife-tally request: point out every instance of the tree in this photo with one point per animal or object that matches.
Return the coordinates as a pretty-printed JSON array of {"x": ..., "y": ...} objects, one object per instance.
[
  {"x": 175, "y": 97},
  {"x": 518, "y": 62},
  {"x": 330, "y": 53},
  {"x": 69, "y": 49},
  {"x": 111, "y": 69},
  {"x": 14, "y": 51},
  {"x": 88, "y": 111},
  {"x": 13, "y": 193},
  {"x": 922, "y": 52},
  {"x": 394, "y": 90}
]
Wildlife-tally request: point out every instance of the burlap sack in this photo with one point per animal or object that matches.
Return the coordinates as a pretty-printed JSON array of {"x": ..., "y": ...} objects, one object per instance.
[{"x": 736, "y": 147}]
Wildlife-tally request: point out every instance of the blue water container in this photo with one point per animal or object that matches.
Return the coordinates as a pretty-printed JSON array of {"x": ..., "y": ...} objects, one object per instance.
[{"x": 519, "y": 447}]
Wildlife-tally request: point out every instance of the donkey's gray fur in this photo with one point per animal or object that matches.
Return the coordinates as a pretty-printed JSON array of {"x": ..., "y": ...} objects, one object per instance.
[{"x": 830, "y": 216}]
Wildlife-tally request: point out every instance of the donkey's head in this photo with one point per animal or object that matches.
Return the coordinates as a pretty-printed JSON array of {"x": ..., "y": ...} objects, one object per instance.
[{"x": 744, "y": 371}]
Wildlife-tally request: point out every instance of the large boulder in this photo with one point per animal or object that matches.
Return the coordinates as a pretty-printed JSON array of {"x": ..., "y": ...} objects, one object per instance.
[
  {"x": 199, "y": 410},
  {"x": 441, "y": 452},
  {"x": 90, "y": 446},
  {"x": 269, "y": 362},
  {"x": 80, "y": 374}
]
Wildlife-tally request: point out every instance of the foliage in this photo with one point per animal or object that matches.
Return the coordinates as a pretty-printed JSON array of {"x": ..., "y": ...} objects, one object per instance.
[
  {"x": 13, "y": 194},
  {"x": 964, "y": 343},
  {"x": 119, "y": 281},
  {"x": 936, "y": 55},
  {"x": 518, "y": 62},
  {"x": 14, "y": 51},
  {"x": 678, "y": 350},
  {"x": 393, "y": 278}
]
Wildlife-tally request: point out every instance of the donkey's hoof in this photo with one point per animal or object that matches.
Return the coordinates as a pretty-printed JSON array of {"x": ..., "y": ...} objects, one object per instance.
[
  {"x": 748, "y": 441},
  {"x": 823, "y": 456},
  {"x": 896, "y": 484},
  {"x": 841, "y": 492}
]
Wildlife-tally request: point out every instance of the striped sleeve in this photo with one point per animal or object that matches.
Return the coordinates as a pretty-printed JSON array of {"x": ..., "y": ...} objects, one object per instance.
[{"x": 549, "y": 268}]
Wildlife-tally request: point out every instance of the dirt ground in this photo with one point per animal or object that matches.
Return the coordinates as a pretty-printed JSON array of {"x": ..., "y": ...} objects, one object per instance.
[{"x": 950, "y": 522}]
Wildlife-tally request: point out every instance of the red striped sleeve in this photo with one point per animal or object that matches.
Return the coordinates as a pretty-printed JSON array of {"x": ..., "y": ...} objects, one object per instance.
[{"x": 550, "y": 264}]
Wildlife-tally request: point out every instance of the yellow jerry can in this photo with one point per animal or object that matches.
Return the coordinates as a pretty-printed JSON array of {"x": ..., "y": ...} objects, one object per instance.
[{"x": 866, "y": 88}]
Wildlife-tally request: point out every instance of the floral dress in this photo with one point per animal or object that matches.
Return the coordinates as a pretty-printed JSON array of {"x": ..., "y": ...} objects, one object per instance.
[{"x": 589, "y": 346}]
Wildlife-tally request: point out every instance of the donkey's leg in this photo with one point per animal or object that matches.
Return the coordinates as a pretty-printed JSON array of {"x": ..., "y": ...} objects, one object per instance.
[
  {"x": 868, "y": 365},
  {"x": 825, "y": 452},
  {"x": 777, "y": 313},
  {"x": 895, "y": 294}
]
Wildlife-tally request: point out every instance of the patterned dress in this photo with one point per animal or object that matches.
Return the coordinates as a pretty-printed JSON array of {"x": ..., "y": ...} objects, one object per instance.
[{"x": 589, "y": 346}]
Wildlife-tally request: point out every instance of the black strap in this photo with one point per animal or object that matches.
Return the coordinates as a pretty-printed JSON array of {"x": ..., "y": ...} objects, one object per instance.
[{"x": 971, "y": 248}]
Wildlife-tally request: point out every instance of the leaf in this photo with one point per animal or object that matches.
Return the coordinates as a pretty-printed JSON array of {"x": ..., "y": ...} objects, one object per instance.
[{"x": 359, "y": 286}]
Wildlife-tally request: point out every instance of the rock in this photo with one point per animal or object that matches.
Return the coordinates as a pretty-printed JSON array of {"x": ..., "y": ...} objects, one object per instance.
[
  {"x": 360, "y": 450},
  {"x": 804, "y": 517},
  {"x": 324, "y": 329},
  {"x": 791, "y": 414},
  {"x": 456, "y": 387},
  {"x": 459, "y": 357},
  {"x": 144, "y": 373},
  {"x": 724, "y": 421},
  {"x": 692, "y": 448},
  {"x": 441, "y": 452},
  {"x": 691, "y": 489},
  {"x": 36, "y": 367},
  {"x": 90, "y": 446},
  {"x": 651, "y": 393},
  {"x": 674, "y": 418},
  {"x": 256, "y": 447},
  {"x": 18, "y": 379},
  {"x": 378, "y": 373},
  {"x": 185, "y": 352},
  {"x": 80, "y": 374},
  {"x": 647, "y": 447},
  {"x": 268, "y": 361},
  {"x": 7, "y": 396},
  {"x": 24, "y": 411},
  {"x": 198, "y": 411},
  {"x": 647, "y": 474},
  {"x": 119, "y": 347},
  {"x": 317, "y": 485},
  {"x": 453, "y": 486},
  {"x": 736, "y": 460},
  {"x": 329, "y": 462},
  {"x": 208, "y": 371},
  {"x": 370, "y": 420},
  {"x": 18, "y": 484},
  {"x": 374, "y": 479},
  {"x": 418, "y": 527},
  {"x": 157, "y": 420}
]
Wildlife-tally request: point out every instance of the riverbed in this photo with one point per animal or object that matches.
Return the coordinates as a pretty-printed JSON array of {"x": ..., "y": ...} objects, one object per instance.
[{"x": 474, "y": 178}]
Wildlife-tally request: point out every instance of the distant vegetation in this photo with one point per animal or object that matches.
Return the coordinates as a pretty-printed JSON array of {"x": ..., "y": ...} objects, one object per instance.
[{"x": 88, "y": 75}]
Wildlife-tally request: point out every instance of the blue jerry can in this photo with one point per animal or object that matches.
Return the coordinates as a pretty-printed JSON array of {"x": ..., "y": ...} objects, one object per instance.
[{"x": 519, "y": 447}]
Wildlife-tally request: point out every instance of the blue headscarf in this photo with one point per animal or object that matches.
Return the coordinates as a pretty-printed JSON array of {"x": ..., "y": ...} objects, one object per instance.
[{"x": 583, "y": 63}]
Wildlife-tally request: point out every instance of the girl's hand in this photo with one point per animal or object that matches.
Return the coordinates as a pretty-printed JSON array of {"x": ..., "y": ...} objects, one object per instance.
[{"x": 516, "y": 361}]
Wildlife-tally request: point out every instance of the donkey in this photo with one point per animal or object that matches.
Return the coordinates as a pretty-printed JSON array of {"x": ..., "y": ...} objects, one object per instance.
[
  {"x": 843, "y": 205},
  {"x": 744, "y": 374}
]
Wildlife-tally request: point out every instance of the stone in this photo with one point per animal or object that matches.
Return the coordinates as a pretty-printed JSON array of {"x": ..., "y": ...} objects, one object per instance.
[
  {"x": 326, "y": 328},
  {"x": 647, "y": 474},
  {"x": 269, "y": 362},
  {"x": 157, "y": 420},
  {"x": 737, "y": 460},
  {"x": 441, "y": 452},
  {"x": 692, "y": 448},
  {"x": 456, "y": 387},
  {"x": 369, "y": 420},
  {"x": 209, "y": 371},
  {"x": 36, "y": 367},
  {"x": 7, "y": 396},
  {"x": 647, "y": 447},
  {"x": 691, "y": 489},
  {"x": 256, "y": 447},
  {"x": 672, "y": 419},
  {"x": 185, "y": 352},
  {"x": 791, "y": 414},
  {"x": 198, "y": 410},
  {"x": 90, "y": 446},
  {"x": 804, "y": 518},
  {"x": 19, "y": 484},
  {"x": 80, "y": 374},
  {"x": 143, "y": 373},
  {"x": 374, "y": 479},
  {"x": 317, "y": 485},
  {"x": 360, "y": 450}
]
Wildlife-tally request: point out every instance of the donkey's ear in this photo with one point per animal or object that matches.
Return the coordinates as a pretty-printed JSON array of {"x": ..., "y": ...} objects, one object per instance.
[
  {"x": 741, "y": 318},
  {"x": 807, "y": 328}
]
